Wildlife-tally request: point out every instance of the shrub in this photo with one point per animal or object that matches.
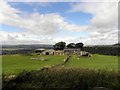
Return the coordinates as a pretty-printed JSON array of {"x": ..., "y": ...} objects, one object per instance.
[{"x": 64, "y": 78}]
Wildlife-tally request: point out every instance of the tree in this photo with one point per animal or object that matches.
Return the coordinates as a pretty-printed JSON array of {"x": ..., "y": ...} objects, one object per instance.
[
  {"x": 79, "y": 45},
  {"x": 60, "y": 45},
  {"x": 71, "y": 45}
]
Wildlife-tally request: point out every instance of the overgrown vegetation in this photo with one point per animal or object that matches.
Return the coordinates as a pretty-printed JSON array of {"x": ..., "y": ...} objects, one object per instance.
[
  {"x": 75, "y": 79},
  {"x": 104, "y": 50}
]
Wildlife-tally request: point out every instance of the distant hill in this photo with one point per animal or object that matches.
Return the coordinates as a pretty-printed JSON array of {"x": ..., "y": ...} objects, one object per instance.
[
  {"x": 112, "y": 45},
  {"x": 117, "y": 44},
  {"x": 32, "y": 46}
]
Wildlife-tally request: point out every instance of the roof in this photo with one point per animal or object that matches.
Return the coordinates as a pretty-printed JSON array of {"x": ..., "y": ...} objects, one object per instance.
[
  {"x": 58, "y": 50},
  {"x": 72, "y": 49},
  {"x": 49, "y": 50}
]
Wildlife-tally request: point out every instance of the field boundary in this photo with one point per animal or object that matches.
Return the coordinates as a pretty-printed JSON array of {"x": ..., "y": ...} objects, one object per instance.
[{"x": 57, "y": 65}]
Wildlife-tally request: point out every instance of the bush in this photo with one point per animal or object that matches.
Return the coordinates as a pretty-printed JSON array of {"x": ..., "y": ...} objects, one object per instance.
[
  {"x": 64, "y": 78},
  {"x": 105, "y": 50}
]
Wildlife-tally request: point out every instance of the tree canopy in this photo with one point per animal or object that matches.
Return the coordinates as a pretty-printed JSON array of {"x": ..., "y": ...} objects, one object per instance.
[
  {"x": 71, "y": 45},
  {"x": 60, "y": 45},
  {"x": 79, "y": 45}
]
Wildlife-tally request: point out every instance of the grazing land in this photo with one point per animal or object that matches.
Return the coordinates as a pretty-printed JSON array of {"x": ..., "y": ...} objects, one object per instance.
[
  {"x": 95, "y": 62},
  {"x": 13, "y": 64}
]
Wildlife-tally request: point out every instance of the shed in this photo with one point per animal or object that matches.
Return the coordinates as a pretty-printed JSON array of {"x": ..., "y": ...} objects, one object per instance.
[
  {"x": 39, "y": 50},
  {"x": 48, "y": 52}
]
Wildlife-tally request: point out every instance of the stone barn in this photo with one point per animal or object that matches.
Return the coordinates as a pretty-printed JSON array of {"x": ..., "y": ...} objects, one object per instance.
[
  {"x": 53, "y": 52},
  {"x": 72, "y": 51},
  {"x": 48, "y": 52},
  {"x": 39, "y": 50},
  {"x": 84, "y": 53},
  {"x": 59, "y": 52}
]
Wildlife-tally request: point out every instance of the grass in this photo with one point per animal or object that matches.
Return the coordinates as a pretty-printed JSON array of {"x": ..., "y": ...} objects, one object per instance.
[
  {"x": 94, "y": 62},
  {"x": 0, "y": 65},
  {"x": 69, "y": 76},
  {"x": 13, "y": 64}
]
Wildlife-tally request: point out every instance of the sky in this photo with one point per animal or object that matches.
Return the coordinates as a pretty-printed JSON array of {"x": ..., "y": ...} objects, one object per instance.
[{"x": 93, "y": 23}]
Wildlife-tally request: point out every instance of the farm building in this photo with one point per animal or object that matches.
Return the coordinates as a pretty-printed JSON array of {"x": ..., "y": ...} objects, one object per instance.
[
  {"x": 53, "y": 52},
  {"x": 84, "y": 53},
  {"x": 72, "y": 51},
  {"x": 48, "y": 52},
  {"x": 76, "y": 51},
  {"x": 39, "y": 50},
  {"x": 59, "y": 52},
  {"x": 66, "y": 51}
]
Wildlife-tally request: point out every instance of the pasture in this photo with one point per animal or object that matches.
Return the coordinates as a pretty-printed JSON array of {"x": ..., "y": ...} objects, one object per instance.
[
  {"x": 13, "y": 64},
  {"x": 94, "y": 62}
]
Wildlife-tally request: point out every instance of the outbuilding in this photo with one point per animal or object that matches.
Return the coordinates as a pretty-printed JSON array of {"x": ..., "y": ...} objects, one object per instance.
[
  {"x": 39, "y": 50},
  {"x": 48, "y": 52},
  {"x": 72, "y": 51}
]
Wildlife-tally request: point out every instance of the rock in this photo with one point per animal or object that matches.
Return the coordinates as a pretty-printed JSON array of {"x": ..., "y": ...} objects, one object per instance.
[
  {"x": 10, "y": 77},
  {"x": 101, "y": 88}
]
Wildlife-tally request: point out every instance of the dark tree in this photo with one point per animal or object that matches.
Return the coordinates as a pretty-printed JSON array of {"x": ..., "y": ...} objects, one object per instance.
[
  {"x": 79, "y": 45},
  {"x": 71, "y": 45},
  {"x": 60, "y": 45},
  {"x": 104, "y": 50}
]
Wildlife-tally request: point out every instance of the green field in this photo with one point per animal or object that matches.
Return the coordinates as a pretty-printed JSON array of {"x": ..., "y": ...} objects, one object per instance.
[
  {"x": 13, "y": 64},
  {"x": 16, "y": 63},
  {"x": 94, "y": 62}
]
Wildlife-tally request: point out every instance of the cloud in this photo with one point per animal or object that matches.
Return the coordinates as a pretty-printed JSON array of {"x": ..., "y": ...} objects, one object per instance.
[
  {"x": 63, "y": 0},
  {"x": 105, "y": 15},
  {"x": 99, "y": 0},
  {"x": 23, "y": 38},
  {"x": 41, "y": 28},
  {"x": 103, "y": 28},
  {"x": 35, "y": 23}
]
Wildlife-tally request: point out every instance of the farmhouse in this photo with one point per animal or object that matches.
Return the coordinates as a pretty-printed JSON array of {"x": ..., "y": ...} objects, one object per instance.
[
  {"x": 66, "y": 51},
  {"x": 77, "y": 52},
  {"x": 72, "y": 51}
]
